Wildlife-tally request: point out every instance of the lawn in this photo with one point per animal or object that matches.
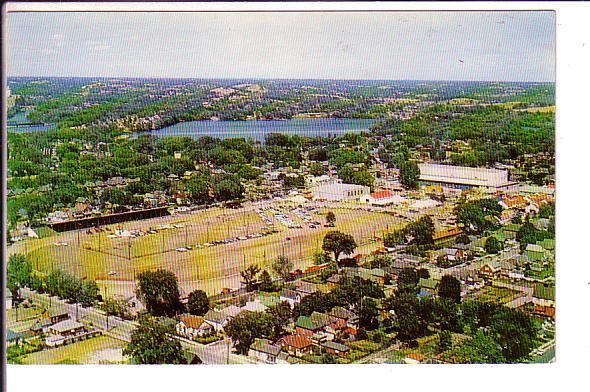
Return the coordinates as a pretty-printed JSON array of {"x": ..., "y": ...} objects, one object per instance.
[
  {"x": 26, "y": 318},
  {"x": 499, "y": 295},
  {"x": 209, "y": 268},
  {"x": 97, "y": 350}
]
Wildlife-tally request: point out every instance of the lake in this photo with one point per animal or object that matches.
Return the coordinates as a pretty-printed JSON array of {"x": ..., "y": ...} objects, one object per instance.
[
  {"x": 20, "y": 123},
  {"x": 258, "y": 129}
]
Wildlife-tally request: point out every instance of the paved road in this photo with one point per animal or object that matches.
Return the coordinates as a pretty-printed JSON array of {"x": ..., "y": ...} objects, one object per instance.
[{"x": 215, "y": 353}]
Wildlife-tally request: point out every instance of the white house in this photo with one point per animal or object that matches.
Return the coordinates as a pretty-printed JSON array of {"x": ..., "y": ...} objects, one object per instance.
[
  {"x": 218, "y": 319},
  {"x": 291, "y": 296},
  {"x": 255, "y": 306},
  {"x": 191, "y": 326}
]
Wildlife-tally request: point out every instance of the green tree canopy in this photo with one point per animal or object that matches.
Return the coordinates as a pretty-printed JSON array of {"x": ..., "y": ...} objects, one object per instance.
[
  {"x": 282, "y": 267},
  {"x": 152, "y": 343},
  {"x": 337, "y": 243},
  {"x": 198, "y": 303},
  {"x": 493, "y": 245},
  {"x": 409, "y": 173},
  {"x": 450, "y": 288},
  {"x": 245, "y": 328},
  {"x": 249, "y": 276},
  {"x": 158, "y": 290}
]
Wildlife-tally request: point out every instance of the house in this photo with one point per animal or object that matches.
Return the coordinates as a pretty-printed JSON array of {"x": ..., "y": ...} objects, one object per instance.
[
  {"x": 316, "y": 322},
  {"x": 266, "y": 351},
  {"x": 56, "y": 315},
  {"x": 254, "y": 306},
  {"x": 339, "y": 192},
  {"x": 513, "y": 201},
  {"x": 291, "y": 296},
  {"x": 490, "y": 269},
  {"x": 450, "y": 254},
  {"x": 428, "y": 287},
  {"x": 218, "y": 319},
  {"x": 382, "y": 198},
  {"x": 535, "y": 252},
  {"x": 297, "y": 345},
  {"x": 334, "y": 348},
  {"x": 414, "y": 358},
  {"x": 511, "y": 229},
  {"x": 446, "y": 235},
  {"x": 306, "y": 288},
  {"x": 376, "y": 275},
  {"x": 333, "y": 281},
  {"x": 191, "y": 326},
  {"x": 343, "y": 317},
  {"x": 64, "y": 329},
  {"x": 547, "y": 244},
  {"x": 544, "y": 294}
]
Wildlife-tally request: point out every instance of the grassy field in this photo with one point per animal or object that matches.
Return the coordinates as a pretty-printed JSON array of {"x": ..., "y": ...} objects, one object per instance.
[
  {"x": 97, "y": 350},
  {"x": 209, "y": 268},
  {"x": 26, "y": 318},
  {"x": 499, "y": 295}
]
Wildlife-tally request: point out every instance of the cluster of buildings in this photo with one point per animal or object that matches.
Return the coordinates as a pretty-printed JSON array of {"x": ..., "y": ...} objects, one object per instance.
[{"x": 56, "y": 327}]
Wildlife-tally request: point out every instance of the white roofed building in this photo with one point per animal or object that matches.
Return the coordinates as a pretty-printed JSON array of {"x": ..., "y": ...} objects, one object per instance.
[
  {"x": 463, "y": 177},
  {"x": 339, "y": 192}
]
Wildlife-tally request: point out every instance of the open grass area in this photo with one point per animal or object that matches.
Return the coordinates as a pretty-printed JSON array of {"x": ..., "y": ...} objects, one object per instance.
[
  {"x": 97, "y": 350},
  {"x": 26, "y": 318},
  {"x": 499, "y": 295},
  {"x": 210, "y": 268}
]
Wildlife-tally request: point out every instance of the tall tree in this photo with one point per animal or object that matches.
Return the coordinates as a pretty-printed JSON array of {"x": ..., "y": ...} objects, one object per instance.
[
  {"x": 158, "y": 290},
  {"x": 515, "y": 332},
  {"x": 198, "y": 303},
  {"x": 337, "y": 243},
  {"x": 481, "y": 348},
  {"x": 368, "y": 314},
  {"x": 152, "y": 343},
  {"x": 280, "y": 315},
  {"x": 478, "y": 216},
  {"x": 266, "y": 283},
  {"x": 330, "y": 218},
  {"x": 450, "y": 288},
  {"x": 249, "y": 276},
  {"x": 444, "y": 341},
  {"x": 18, "y": 274},
  {"x": 407, "y": 280},
  {"x": 409, "y": 174},
  {"x": 245, "y": 328},
  {"x": 421, "y": 231},
  {"x": 282, "y": 267},
  {"x": 493, "y": 245}
]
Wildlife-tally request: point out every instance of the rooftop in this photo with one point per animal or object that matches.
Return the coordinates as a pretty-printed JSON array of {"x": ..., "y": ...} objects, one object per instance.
[
  {"x": 66, "y": 325},
  {"x": 265, "y": 346}
]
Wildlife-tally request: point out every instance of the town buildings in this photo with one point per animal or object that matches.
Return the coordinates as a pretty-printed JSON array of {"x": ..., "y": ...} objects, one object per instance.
[{"x": 462, "y": 177}]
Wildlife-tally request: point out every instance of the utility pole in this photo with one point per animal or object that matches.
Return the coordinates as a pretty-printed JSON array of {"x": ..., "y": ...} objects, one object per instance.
[{"x": 107, "y": 312}]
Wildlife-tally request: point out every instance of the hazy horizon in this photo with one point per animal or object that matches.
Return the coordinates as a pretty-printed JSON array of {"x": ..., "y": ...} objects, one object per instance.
[{"x": 479, "y": 46}]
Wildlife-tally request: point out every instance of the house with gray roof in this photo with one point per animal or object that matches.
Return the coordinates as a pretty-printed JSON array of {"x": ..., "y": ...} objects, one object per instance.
[
  {"x": 268, "y": 352},
  {"x": 218, "y": 319}
]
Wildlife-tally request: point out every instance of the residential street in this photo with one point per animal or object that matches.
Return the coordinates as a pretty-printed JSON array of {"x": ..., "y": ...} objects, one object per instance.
[{"x": 215, "y": 353}]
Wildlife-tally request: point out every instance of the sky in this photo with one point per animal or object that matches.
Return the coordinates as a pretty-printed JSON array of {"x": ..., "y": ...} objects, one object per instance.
[{"x": 486, "y": 46}]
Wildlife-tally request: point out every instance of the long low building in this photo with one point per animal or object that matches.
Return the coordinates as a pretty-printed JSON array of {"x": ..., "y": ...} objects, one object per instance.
[
  {"x": 338, "y": 192},
  {"x": 463, "y": 177}
]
